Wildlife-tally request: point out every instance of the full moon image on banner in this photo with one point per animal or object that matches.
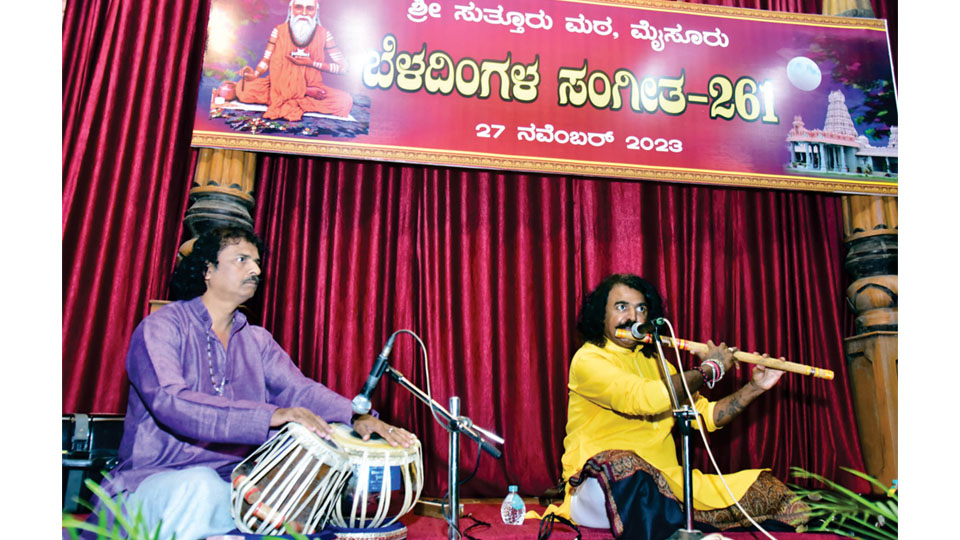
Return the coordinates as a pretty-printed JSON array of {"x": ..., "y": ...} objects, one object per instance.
[{"x": 803, "y": 73}]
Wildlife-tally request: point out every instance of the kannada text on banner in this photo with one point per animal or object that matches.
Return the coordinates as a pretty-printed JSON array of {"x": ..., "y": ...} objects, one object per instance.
[{"x": 646, "y": 90}]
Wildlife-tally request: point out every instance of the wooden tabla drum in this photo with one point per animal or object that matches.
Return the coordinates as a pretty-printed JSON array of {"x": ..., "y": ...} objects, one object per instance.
[
  {"x": 292, "y": 479},
  {"x": 385, "y": 484}
]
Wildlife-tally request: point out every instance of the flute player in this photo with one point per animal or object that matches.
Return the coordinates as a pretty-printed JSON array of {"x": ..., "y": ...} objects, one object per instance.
[{"x": 619, "y": 419}]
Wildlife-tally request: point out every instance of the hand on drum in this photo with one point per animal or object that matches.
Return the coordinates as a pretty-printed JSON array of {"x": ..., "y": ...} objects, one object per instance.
[
  {"x": 367, "y": 425},
  {"x": 304, "y": 417}
]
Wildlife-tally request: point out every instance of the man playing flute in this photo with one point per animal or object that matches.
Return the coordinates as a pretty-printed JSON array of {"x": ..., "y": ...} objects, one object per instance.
[{"x": 620, "y": 418}]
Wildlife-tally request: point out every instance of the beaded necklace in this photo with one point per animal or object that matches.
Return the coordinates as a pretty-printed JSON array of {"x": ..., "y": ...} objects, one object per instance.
[{"x": 217, "y": 387}]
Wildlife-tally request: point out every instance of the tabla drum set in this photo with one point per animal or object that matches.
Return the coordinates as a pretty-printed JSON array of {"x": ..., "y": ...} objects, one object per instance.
[{"x": 301, "y": 481}]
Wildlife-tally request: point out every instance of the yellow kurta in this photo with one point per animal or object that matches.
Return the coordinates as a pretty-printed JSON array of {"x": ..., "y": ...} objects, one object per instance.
[{"x": 618, "y": 401}]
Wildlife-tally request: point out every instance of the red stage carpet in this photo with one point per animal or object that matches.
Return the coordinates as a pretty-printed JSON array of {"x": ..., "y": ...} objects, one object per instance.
[
  {"x": 428, "y": 528},
  {"x": 419, "y": 527}
]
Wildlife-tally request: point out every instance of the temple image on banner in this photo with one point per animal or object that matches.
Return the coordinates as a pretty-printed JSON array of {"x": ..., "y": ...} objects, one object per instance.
[{"x": 838, "y": 148}]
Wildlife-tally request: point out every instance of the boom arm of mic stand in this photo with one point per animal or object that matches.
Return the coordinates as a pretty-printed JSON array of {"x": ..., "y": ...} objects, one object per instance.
[{"x": 474, "y": 432}]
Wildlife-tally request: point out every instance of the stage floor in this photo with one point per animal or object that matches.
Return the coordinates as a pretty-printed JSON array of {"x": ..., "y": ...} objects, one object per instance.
[
  {"x": 488, "y": 512},
  {"x": 429, "y": 528}
]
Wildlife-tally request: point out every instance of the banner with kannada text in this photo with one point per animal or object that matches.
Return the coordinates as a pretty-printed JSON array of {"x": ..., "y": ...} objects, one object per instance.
[{"x": 629, "y": 89}]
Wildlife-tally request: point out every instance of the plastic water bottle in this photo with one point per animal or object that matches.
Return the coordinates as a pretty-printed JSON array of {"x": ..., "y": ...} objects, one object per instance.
[{"x": 513, "y": 509}]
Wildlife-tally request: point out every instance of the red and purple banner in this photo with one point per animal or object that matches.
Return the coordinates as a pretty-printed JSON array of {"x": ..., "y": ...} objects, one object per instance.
[{"x": 646, "y": 90}]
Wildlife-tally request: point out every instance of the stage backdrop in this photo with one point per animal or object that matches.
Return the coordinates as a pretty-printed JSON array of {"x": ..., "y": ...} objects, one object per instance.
[
  {"x": 635, "y": 89},
  {"x": 488, "y": 267},
  {"x": 490, "y": 270}
]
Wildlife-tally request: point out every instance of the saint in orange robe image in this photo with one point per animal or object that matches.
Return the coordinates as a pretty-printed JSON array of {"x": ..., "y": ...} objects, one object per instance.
[{"x": 297, "y": 54}]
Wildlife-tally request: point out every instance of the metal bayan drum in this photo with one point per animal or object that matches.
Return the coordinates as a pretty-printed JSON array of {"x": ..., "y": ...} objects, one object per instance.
[
  {"x": 385, "y": 484},
  {"x": 293, "y": 479}
]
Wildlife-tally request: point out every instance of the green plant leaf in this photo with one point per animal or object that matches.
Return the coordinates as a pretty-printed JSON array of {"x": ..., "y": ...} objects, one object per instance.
[
  {"x": 866, "y": 477},
  {"x": 82, "y": 503},
  {"x": 892, "y": 505},
  {"x": 869, "y": 532},
  {"x": 101, "y": 531},
  {"x": 840, "y": 489},
  {"x": 113, "y": 505},
  {"x": 122, "y": 529},
  {"x": 156, "y": 530},
  {"x": 847, "y": 513},
  {"x": 838, "y": 532}
]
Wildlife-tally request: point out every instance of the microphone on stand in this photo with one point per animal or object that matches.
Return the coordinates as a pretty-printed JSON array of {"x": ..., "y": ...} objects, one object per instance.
[
  {"x": 361, "y": 403},
  {"x": 639, "y": 330}
]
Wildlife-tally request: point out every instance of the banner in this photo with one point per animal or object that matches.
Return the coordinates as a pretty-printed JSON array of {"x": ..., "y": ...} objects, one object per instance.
[{"x": 629, "y": 89}]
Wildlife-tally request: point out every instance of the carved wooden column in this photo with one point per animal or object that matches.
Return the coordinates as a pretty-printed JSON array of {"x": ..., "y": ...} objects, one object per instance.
[
  {"x": 221, "y": 192},
  {"x": 870, "y": 228}
]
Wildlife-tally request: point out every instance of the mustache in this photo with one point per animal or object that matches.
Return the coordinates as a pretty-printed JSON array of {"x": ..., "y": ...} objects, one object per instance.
[
  {"x": 626, "y": 325},
  {"x": 253, "y": 279}
]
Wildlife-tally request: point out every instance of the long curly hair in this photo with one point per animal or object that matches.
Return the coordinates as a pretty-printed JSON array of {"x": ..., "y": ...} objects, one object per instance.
[
  {"x": 187, "y": 281},
  {"x": 594, "y": 309}
]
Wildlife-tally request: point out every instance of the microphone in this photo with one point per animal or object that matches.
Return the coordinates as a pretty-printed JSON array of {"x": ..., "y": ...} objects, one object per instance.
[
  {"x": 361, "y": 403},
  {"x": 638, "y": 330}
]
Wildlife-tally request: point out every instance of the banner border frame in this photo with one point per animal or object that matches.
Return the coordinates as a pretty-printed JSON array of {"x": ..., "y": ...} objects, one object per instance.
[{"x": 479, "y": 160}]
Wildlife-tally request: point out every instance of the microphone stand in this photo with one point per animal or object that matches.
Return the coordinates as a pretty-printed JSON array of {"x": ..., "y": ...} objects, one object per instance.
[
  {"x": 455, "y": 424},
  {"x": 683, "y": 415}
]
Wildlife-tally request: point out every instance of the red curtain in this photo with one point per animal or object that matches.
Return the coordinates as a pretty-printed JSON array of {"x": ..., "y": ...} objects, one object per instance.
[
  {"x": 487, "y": 267},
  {"x": 130, "y": 76}
]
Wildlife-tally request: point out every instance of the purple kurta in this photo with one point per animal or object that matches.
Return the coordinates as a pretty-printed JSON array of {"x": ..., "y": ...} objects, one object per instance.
[{"x": 175, "y": 419}]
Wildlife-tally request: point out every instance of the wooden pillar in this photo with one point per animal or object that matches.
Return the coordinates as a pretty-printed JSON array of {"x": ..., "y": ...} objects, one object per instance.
[
  {"x": 870, "y": 229},
  {"x": 849, "y": 8},
  {"x": 221, "y": 193}
]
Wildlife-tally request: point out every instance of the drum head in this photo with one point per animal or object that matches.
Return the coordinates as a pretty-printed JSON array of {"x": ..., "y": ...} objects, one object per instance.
[
  {"x": 312, "y": 442},
  {"x": 385, "y": 483},
  {"x": 347, "y": 438}
]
